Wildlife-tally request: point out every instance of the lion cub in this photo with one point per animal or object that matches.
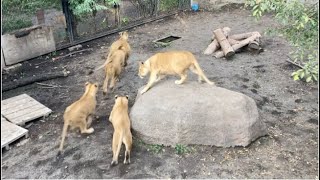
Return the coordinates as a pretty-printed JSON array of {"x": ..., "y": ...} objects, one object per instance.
[
  {"x": 120, "y": 44},
  {"x": 80, "y": 113},
  {"x": 121, "y": 123},
  {"x": 113, "y": 69},
  {"x": 172, "y": 62}
]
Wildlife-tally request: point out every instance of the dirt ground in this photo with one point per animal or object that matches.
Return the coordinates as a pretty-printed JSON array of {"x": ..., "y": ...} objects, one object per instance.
[{"x": 289, "y": 109}]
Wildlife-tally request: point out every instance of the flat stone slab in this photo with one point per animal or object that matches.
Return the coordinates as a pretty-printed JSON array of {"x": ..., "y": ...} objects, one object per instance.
[
  {"x": 195, "y": 113},
  {"x": 23, "y": 108},
  {"x": 10, "y": 133}
]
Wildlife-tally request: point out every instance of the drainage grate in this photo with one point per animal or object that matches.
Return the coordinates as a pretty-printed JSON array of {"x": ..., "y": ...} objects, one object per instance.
[{"x": 166, "y": 40}]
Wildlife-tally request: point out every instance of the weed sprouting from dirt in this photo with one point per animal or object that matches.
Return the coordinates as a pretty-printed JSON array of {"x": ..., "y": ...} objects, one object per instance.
[
  {"x": 181, "y": 149},
  {"x": 155, "y": 148}
]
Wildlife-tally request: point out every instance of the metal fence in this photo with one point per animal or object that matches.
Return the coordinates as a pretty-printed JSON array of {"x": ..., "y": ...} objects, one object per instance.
[
  {"x": 69, "y": 29},
  {"x": 119, "y": 16}
]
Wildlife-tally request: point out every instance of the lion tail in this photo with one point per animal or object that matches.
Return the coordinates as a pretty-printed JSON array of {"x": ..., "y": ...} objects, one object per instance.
[{"x": 197, "y": 66}]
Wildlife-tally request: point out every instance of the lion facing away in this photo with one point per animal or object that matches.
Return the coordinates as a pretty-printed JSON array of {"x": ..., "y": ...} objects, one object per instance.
[
  {"x": 121, "y": 44},
  {"x": 80, "y": 113},
  {"x": 119, "y": 117},
  {"x": 113, "y": 69},
  {"x": 170, "y": 63}
]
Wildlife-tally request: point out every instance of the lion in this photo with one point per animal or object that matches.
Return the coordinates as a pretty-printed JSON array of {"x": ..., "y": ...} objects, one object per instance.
[
  {"x": 80, "y": 113},
  {"x": 113, "y": 69},
  {"x": 120, "y": 120},
  {"x": 169, "y": 63},
  {"x": 120, "y": 44}
]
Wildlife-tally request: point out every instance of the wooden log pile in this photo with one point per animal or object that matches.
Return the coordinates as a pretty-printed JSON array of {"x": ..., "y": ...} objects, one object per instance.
[{"x": 225, "y": 45}]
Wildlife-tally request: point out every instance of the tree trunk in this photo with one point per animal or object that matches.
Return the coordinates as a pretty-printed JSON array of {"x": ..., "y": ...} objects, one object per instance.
[{"x": 29, "y": 80}]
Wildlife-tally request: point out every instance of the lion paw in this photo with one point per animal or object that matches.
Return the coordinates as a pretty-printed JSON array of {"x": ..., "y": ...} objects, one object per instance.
[
  {"x": 113, "y": 163},
  {"x": 90, "y": 130}
]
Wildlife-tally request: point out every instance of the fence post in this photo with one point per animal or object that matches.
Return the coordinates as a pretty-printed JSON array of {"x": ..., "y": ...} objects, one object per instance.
[
  {"x": 40, "y": 16},
  {"x": 67, "y": 13},
  {"x": 116, "y": 7},
  {"x": 157, "y": 7}
]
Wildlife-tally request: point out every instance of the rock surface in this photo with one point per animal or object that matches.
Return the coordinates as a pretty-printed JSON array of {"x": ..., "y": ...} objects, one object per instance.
[{"x": 195, "y": 113}]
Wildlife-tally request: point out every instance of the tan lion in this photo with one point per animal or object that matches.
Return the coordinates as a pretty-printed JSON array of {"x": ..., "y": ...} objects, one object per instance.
[
  {"x": 80, "y": 113},
  {"x": 120, "y": 120},
  {"x": 113, "y": 69},
  {"x": 170, "y": 63},
  {"x": 120, "y": 44}
]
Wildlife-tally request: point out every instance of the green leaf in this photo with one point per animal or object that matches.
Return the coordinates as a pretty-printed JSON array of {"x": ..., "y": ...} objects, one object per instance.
[
  {"x": 309, "y": 79},
  {"x": 315, "y": 78},
  {"x": 295, "y": 77}
]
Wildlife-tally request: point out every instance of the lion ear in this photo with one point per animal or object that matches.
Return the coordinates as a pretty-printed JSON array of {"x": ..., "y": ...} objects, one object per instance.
[
  {"x": 96, "y": 84},
  {"x": 87, "y": 83},
  {"x": 127, "y": 96},
  {"x": 116, "y": 96}
]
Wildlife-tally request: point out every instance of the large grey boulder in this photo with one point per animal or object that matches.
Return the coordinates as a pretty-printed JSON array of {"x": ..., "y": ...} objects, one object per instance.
[{"x": 194, "y": 113}]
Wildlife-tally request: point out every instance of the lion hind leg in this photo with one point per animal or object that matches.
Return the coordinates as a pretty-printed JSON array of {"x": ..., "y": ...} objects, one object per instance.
[
  {"x": 83, "y": 127},
  {"x": 116, "y": 145},
  {"x": 194, "y": 70},
  {"x": 105, "y": 85},
  {"x": 183, "y": 77},
  {"x": 128, "y": 143},
  {"x": 89, "y": 121}
]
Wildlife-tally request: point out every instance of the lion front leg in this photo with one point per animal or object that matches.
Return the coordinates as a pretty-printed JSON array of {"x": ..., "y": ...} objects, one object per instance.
[{"x": 152, "y": 80}]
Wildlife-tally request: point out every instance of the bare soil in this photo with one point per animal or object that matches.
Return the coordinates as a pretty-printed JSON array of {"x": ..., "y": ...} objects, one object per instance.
[{"x": 289, "y": 108}]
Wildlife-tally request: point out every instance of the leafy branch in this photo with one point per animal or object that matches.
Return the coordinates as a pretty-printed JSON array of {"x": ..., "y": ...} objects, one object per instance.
[{"x": 299, "y": 25}]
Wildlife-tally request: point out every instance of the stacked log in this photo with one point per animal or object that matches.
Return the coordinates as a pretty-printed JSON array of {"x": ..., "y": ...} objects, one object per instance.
[{"x": 225, "y": 45}]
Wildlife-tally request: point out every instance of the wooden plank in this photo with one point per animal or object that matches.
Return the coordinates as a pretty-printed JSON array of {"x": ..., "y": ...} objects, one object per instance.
[
  {"x": 21, "y": 120},
  {"x": 13, "y": 99},
  {"x": 23, "y": 108},
  {"x": 10, "y": 132},
  {"x": 22, "y": 104},
  {"x": 23, "y": 112}
]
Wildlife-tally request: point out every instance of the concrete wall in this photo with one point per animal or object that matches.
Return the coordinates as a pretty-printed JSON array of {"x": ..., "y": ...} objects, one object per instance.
[
  {"x": 216, "y": 4},
  {"x": 27, "y": 43},
  {"x": 2, "y": 61}
]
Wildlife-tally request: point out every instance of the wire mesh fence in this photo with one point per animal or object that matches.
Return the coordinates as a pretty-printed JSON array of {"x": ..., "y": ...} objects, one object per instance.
[
  {"x": 122, "y": 14},
  {"x": 72, "y": 21}
]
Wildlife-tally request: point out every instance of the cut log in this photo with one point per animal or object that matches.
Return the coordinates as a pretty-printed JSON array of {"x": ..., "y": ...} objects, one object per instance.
[
  {"x": 232, "y": 41},
  {"x": 41, "y": 77},
  {"x": 254, "y": 45},
  {"x": 224, "y": 43},
  {"x": 214, "y": 45},
  {"x": 226, "y": 32},
  {"x": 239, "y": 45},
  {"x": 243, "y": 35}
]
